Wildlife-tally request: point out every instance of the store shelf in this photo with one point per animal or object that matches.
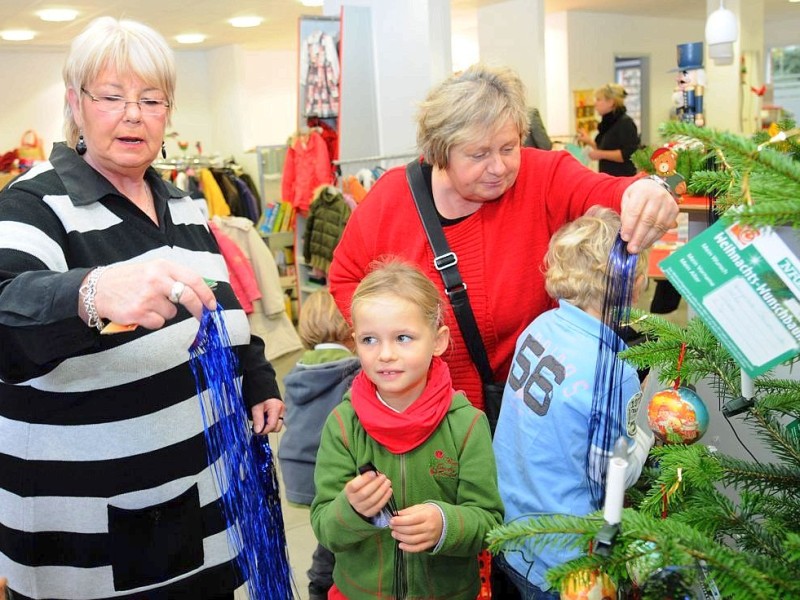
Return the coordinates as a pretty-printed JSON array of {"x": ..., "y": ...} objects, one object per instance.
[
  {"x": 282, "y": 245},
  {"x": 584, "y": 110}
]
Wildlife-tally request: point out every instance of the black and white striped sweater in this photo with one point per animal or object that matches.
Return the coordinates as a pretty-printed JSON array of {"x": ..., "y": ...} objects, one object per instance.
[{"x": 105, "y": 485}]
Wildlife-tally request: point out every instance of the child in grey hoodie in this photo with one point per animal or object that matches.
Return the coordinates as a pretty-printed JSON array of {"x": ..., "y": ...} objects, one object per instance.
[{"x": 313, "y": 388}]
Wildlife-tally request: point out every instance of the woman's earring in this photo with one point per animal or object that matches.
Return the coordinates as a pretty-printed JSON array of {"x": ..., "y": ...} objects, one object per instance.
[
  {"x": 163, "y": 150},
  {"x": 80, "y": 147}
]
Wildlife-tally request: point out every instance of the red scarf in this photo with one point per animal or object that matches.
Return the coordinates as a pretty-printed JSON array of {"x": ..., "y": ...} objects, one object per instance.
[{"x": 401, "y": 432}]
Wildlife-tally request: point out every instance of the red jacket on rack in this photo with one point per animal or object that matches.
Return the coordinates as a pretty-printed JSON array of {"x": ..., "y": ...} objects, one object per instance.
[{"x": 307, "y": 166}]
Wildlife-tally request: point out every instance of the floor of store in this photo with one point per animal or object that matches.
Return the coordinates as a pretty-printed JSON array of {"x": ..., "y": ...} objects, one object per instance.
[{"x": 299, "y": 536}]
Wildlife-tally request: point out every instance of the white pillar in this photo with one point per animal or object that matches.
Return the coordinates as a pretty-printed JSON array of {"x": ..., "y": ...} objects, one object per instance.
[
  {"x": 511, "y": 33},
  {"x": 410, "y": 42}
]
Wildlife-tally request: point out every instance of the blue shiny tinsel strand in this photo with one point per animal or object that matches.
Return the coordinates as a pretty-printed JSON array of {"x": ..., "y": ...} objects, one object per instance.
[
  {"x": 607, "y": 421},
  {"x": 242, "y": 463}
]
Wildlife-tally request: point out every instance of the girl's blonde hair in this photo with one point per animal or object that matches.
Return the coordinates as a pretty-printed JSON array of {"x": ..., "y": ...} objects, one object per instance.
[
  {"x": 614, "y": 92},
  {"x": 321, "y": 321},
  {"x": 467, "y": 107},
  {"x": 404, "y": 280},
  {"x": 576, "y": 261},
  {"x": 125, "y": 46}
]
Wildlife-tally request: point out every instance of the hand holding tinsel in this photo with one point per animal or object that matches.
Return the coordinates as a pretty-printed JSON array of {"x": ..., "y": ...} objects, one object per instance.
[{"x": 368, "y": 492}]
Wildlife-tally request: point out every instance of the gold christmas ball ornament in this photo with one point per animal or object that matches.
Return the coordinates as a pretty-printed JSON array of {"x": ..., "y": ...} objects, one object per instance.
[
  {"x": 588, "y": 585},
  {"x": 677, "y": 416}
]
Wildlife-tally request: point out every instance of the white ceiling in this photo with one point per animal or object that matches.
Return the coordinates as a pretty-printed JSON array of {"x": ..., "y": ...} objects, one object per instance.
[{"x": 279, "y": 29}]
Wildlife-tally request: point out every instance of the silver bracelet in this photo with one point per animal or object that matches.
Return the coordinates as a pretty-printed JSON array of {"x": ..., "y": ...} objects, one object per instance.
[
  {"x": 663, "y": 183},
  {"x": 87, "y": 292}
]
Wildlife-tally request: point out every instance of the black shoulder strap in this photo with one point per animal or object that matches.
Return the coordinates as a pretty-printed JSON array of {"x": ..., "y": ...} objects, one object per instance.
[{"x": 445, "y": 261}]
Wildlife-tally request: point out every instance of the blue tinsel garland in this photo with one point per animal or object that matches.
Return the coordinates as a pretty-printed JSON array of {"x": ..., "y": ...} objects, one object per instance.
[
  {"x": 245, "y": 470},
  {"x": 608, "y": 405}
]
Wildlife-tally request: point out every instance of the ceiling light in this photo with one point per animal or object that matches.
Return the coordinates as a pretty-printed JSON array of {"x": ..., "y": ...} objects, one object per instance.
[
  {"x": 17, "y": 35},
  {"x": 250, "y": 21},
  {"x": 312, "y": 2},
  {"x": 190, "y": 38},
  {"x": 57, "y": 15},
  {"x": 722, "y": 30}
]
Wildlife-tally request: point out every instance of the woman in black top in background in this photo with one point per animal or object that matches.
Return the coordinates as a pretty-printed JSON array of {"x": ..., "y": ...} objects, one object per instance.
[{"x": 617, "y": 136}]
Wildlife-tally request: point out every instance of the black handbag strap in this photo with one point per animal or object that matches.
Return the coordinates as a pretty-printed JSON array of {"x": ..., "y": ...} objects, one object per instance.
[{"x": 445, "y": 261}]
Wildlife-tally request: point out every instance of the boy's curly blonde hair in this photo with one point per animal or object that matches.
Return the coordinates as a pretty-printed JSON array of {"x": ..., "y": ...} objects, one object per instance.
[{"x": 576, "y": 262}]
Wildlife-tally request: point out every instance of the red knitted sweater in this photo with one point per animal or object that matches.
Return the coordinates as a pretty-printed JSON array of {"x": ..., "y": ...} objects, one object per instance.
[{"x": 500, "y": 249}]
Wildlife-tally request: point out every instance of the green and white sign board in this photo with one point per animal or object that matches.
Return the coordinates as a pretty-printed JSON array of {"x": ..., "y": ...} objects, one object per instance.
[{"x": 744, "y": 283}]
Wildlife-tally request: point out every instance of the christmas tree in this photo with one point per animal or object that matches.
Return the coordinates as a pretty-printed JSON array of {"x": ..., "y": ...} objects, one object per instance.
[{"x": 704, "y": 524}]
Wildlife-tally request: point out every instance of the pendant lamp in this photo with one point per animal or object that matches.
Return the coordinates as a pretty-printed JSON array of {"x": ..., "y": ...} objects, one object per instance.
[{"x": 721, "y": 32}]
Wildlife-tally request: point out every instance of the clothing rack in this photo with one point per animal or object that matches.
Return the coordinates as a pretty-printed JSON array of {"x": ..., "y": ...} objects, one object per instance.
[
  {"x": 181, "y": 163},
  {"x": 377, "y": 163},
  {"x": 377, "y": 158}
]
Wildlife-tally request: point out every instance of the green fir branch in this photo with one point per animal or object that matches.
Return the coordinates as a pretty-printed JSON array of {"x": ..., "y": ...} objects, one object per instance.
[
  {"x": 774, "y": 434},
  {"x": 566, "y": 531},
  {"x": 766, "y": 214},
  {"x": 758, "y": 477}
]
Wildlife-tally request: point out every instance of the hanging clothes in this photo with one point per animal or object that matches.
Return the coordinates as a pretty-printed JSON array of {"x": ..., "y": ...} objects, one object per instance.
[
  {"x": 243, "y": 278},
  {"x": 307, "y": 166},
  {"x": 215, "y": 199},
  {"x": 268, "y": 320},
  {"x": 328, "y": 133},
  {"x": 326, "y": 220},
  {"x": 319, "y": 73}
]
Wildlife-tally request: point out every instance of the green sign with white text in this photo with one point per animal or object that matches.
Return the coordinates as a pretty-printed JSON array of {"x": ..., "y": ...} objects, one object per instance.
[{"x": 744, "y": 283}]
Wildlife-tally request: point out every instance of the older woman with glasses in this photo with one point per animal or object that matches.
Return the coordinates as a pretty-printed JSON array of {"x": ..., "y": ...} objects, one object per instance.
[
  {"x": 106, "y": 486},
  {"x": 617, "y": 137}
]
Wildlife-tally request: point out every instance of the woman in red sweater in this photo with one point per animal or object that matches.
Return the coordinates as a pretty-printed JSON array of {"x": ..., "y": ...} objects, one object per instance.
[{"x": 498, "y": 204}]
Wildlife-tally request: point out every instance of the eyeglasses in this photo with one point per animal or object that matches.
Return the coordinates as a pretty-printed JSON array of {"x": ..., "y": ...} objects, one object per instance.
[{"x": 117, "y": 104}]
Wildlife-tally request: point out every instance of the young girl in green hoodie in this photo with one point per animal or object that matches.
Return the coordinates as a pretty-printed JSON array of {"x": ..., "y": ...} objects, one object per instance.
[{"x": 405, "y": 477}]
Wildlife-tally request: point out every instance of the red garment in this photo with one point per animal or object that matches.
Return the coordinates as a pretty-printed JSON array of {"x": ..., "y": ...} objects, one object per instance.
[
  {"x": 335, "y": 594},
  {"x": 401, "y": 432},
  {"x": 328, "y": 134},
  {"x": 307, "y": 167},
  {"x": 243, "y": 278},
  {"x": 500, "y": 249}
]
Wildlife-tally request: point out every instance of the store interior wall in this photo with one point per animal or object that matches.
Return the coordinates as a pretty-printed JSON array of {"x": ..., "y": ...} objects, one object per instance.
[
  {"x": 591, "y": 46},
  {"x": 507, "y": 36}
]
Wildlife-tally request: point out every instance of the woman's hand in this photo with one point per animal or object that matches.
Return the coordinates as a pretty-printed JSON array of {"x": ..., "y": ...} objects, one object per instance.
[
  {"x": 268, "y": 416},
  {"x": 417, "y": 528},
  {"x": 368, "y": 493},
  {"x": 140, "y": 293},
  {"x": 648, "y": 211}
]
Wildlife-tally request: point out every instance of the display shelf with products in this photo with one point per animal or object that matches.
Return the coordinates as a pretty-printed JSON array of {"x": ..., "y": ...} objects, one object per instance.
[
  {"x": 270, "y": 160},
  {"x": 584, "y": 110},
  {"x": 282, "y": 245}
]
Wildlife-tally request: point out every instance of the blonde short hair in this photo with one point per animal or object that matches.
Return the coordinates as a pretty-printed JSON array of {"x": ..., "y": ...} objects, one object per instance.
[
  {"x": 468, "y": 106},
  {"x": 614, "y": 92},
  {"x": 320, "y": 321},
  {"x": 576, "y": 261},
  {"x": 390, "y": 276},
  {"x": 128, "y": 47}
]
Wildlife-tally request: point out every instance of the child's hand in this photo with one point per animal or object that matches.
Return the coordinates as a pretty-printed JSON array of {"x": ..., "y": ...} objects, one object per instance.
[
  {"x": 417, "y": 527},
  {"x": 368, "y": 493}
]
